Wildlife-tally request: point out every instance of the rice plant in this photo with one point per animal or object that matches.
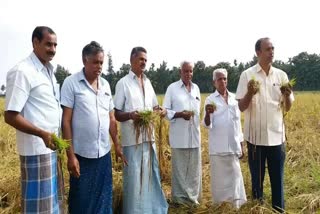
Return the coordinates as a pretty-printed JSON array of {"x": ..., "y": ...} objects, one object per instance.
[{"x": 302, "y": 166}]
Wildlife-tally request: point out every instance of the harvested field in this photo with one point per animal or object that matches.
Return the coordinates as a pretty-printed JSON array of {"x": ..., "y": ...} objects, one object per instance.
[{"x": 302, "y": 169}]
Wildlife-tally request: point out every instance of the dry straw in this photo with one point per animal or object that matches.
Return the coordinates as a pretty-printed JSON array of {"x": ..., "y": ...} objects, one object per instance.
[{"x": 302, "y": 167}]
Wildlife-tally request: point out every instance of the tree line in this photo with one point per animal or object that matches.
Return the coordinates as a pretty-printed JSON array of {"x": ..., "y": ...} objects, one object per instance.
[{"x": 304, "y": 67}]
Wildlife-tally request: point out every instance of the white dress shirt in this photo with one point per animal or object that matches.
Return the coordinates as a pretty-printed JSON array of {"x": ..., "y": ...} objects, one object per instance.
[
  {"x": 263, "y": 119},
  {"x": 225, "y": 134},
  {"x": 90, "y": 116},
  {"x": 129, "y": 97},
  {"x": 33, "y": 91},
  {"x": 183, "y": 133}
]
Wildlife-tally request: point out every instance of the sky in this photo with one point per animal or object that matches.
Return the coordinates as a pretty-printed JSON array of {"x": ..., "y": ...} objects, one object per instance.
[{"x": 171, "y": 30}]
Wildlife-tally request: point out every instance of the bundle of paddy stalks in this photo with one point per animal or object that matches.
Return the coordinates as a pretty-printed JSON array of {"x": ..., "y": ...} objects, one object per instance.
[
  {"x": 214, "y": 106},
  {"x": 144, "y": 124},
  {"x": 285, "y": 86},
  {"x": 256, "y": 84},
  {"x": 288, "y": 85},
  {"x": 60, "y": 143}
]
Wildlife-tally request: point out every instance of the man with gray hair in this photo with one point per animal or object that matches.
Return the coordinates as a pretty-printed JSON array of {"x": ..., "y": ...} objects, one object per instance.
[
  {"x": 222, "y": 118},
  {"x": 88, "y": 119},
  {"x": 182, "y": 101}
]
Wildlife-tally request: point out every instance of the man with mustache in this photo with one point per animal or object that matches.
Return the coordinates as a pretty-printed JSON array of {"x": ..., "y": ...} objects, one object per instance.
[
  {"x": 264, "y": 105},
  {"x": 33, "y": 108},
  {"x": 182, "y": 102},
  {"x": 88, "y": 119},
  {"x": 142, "y": 191}
]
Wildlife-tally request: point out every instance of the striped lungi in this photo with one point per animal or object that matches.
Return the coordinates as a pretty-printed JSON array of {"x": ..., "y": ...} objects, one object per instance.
[
  {"x": 142, "y": 192},
  {"x": 39, "y": 184},
  {"x": 186, "y": 176}
]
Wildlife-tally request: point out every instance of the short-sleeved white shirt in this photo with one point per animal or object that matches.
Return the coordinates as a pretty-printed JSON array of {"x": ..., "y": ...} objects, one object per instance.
[
  {"x": 33, "y": 91},
  {"x": 263, "y": 119},
  {"x": 90, "y": 115},
  {"x": 129, "y": 97},
  {"x": 225, "y": 133},
  {"x": 183, "y": 133}
]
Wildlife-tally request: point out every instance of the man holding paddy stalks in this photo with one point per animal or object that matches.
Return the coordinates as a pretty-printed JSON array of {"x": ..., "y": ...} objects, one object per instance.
[
  {"x": 33, "y": 108},
  {"x": 134, "y": 95},
  {"x": 182, "y": 102},
  {"x": 264, "y": 104},
  {"x": 88, "y": 119},
  {"x": 223, "y": 119}
]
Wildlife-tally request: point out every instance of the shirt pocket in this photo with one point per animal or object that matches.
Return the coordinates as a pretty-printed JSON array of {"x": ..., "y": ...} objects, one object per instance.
[
  {"x": 275, "y": 92},
  {"x": 195, "y": 105},
  {"x": 104, "y": 101}
]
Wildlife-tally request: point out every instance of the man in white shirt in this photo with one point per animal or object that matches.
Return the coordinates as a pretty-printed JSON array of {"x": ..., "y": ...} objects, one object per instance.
[
  {"x": 182, "y": 102},
  {"x": 222, "y": 118},
  {"x": 33, "y": 108},
  {"x": 264, "y": 105},
  {"x": 88, "y": 119},
  {"x": 141, "y": 178}
]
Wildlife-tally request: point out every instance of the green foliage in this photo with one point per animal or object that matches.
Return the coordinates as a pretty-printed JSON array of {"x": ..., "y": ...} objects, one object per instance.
[
  {"x": 110, "y": 64},
  {"x": 61, "y": 144},
  {"x": 304, "y": 67},
  {"x": 60, "y": 74}
]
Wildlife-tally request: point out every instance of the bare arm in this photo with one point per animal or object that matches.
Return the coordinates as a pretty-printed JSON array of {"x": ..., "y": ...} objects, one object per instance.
[
  {"x": 245, "y": 102},
  {"x": 252, "y": 89},
  {"x": 73, "y": 163},
  {"x": 122, "y": 116},
  {"x": 183, "y": 114},
  {"x": 286, "y": 92},
  {"x": 209, "y": 110},
  {"x": 16, "y": 120},
  {"x": 113, "y": 130},
  {"x": 287, "y": 103}
]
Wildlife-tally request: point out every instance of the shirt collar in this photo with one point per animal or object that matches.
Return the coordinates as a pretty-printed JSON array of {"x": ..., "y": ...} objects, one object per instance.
[
  {"x": 216, "y": 93},
  {"x": 134, "y": 76},
  {"x": 38, "y": 63},
  {"x": 82, "y": 77},
  {"x": 258, "y": 68},
  {"x": 181, "y": 84}
]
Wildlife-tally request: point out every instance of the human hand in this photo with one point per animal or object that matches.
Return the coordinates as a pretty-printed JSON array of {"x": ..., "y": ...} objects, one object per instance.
[
  {"x": 120, "y": 155},
  {"x": 286, "y": 90},
  {"x": 134, "y": 115},
  {"x": 209, "y": 109},
  {"x": 73, "y": 166},
  {"x": 253, "y": 87},
  {"x": 47, "y": 139},
  {"x": 160, "y": 110},
  {"x": 187, "y": 114}
]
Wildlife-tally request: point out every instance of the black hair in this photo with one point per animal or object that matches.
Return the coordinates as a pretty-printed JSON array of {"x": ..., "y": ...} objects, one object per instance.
[
  {"x": 136, "y": 50},
  {"x": 258, "y": 43},
  {"x": 91, "y": 49},
  {"x": 39, "y": 31}
]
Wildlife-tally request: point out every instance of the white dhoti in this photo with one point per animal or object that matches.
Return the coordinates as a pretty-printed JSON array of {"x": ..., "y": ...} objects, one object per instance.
[
  {"x": 186, "y": 176},
  {"x": 226, "y": 180}
]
